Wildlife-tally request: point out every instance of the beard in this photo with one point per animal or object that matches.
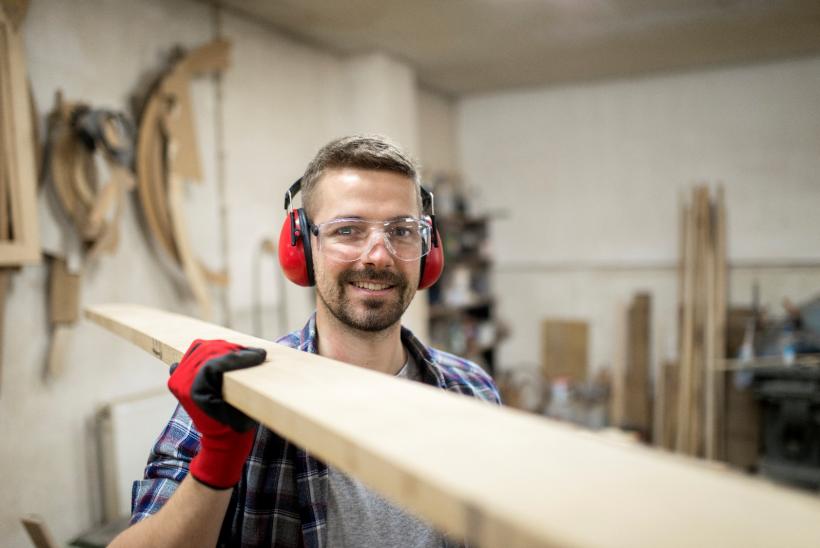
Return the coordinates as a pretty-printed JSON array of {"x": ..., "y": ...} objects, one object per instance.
[{"x": 378, "y": 314}]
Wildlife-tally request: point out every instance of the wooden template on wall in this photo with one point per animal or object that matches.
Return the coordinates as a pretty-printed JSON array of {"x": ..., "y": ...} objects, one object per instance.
[
  {"x": 19, "y": 233},
  {"x": 168, "y": 156},
  {"x": 483, "y": 473}
]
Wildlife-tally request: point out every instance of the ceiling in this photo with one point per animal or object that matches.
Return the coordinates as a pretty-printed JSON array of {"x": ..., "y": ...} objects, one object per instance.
[{"x": 470, "y": 46}]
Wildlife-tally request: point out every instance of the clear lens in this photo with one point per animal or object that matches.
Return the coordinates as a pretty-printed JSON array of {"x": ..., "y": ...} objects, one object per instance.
[{"x": 347, "y": 239}]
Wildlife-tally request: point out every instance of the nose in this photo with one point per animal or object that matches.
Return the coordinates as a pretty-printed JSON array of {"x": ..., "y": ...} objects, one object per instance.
[{"x": 377, "y": 254}]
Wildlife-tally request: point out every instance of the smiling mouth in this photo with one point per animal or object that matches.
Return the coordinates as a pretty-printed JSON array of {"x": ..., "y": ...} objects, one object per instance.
[{"x": 370, "y": 286}]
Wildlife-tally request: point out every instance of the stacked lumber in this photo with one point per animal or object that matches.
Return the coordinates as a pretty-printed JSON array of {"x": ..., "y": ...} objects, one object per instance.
[{"x": 702, "y": 333}]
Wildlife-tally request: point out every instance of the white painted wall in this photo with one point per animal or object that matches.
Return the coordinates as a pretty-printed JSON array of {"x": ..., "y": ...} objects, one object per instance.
[
  {"x": 590, "y": 175},
  {"x": 438, "y": 147},
  {"x": 382, "y": 95},
  {"x": 282, "y": 101}
]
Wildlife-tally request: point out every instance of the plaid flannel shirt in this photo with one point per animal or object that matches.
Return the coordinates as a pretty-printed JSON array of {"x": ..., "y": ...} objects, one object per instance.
[{"x": 281, "y": 499}]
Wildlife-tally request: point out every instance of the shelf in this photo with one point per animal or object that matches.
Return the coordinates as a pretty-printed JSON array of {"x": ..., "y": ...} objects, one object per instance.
[
  {"x": 457, "y": 328},
  {"x": 444, "y": 310},
  {"x": 474, "y": 261}
]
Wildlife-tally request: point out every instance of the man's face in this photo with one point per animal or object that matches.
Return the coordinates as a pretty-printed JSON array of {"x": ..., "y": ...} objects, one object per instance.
[{"x": 371, "y": 293}]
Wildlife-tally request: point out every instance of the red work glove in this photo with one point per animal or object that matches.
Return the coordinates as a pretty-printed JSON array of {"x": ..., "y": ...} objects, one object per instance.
[{"x": 227, "y": 433}]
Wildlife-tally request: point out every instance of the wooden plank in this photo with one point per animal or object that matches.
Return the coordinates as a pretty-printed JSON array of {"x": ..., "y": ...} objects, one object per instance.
[
  {"x": 38, "y": 532},
  {"x": 721, "y": 320},
  {"x": 699, "y": 314},
  {"x": 709, "y": 351},
  {"x": 8, "y": 158},
  {"x": 638, "y": 407},
  {"x": 687, "y": 320},
  {"x": 19, "y": 154},
  {"x": 490, "y": 475},
  {"x": 5, "y": 276},
  {"x": 564, "y": 346},
  {"x": 669, "y": 400},
  {"x": 5, "y": 149}
]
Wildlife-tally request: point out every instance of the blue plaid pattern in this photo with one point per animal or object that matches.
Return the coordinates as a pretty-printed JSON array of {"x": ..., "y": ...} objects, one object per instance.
[{"x": 281, "y": 499}]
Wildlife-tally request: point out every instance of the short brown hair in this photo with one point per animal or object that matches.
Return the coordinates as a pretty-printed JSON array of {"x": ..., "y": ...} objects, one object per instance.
[{"x": 362, "y": 152}]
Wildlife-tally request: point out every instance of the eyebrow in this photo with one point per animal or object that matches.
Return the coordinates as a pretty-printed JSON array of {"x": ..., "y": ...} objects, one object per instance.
[{"x": 360, "y": 218}]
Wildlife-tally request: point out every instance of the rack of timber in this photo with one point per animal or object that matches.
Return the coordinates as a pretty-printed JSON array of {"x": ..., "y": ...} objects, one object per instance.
[
  {"x": 696, "y": 423},
  {"x": 542, "y": 483}
]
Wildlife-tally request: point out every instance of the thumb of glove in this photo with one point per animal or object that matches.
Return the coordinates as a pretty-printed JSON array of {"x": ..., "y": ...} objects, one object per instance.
[{"x": 206, "y": 390}]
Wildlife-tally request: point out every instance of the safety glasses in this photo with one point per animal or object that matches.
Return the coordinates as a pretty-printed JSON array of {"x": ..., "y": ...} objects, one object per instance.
[{"x": 347, "y": 240}]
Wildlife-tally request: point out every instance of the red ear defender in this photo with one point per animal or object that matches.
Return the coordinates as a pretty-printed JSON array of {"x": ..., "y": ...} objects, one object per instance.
[
  {"x": 295, "y": 262},
  {"x": 432, "y": 264},
  {"x": 295, "y": 255}
]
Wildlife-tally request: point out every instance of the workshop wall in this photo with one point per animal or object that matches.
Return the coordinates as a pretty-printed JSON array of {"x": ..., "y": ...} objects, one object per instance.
[
  {"x": 589, "y": 177},
  {"x": 437, "y": 133},
  {"x": 280, "y": 101}
]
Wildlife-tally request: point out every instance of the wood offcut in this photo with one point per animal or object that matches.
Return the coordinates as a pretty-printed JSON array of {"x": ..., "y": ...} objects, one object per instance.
[{"x": 482, "y": 473}]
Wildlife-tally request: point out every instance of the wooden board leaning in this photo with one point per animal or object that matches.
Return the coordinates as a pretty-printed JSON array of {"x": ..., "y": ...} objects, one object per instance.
[
  {"x": 493, "y": 476},
  {"x": 17, "y": 158}
]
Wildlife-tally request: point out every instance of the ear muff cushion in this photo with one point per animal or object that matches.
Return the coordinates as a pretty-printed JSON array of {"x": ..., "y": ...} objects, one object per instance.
[
  {"x": 296, "y": 260},
  {"x": 432, "y": 265}
]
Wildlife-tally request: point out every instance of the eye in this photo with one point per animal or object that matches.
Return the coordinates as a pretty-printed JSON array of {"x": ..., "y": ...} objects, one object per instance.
[
  {"x": 347, "y": 230},
  {"x": 403, "y": 231}
]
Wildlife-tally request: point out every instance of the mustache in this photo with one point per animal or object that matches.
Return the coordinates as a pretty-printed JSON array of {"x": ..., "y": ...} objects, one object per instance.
[{"x": 373, "y": 275}]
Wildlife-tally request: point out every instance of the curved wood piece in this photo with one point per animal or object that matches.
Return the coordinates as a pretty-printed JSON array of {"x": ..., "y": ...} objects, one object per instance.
[
  {"x": 151, "y": 175},
  {"x": 190, "y": 265},
  {"x": 168, "y": 155}
]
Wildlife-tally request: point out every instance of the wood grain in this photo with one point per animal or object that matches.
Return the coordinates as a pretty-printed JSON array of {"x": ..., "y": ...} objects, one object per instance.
[{"x": 492, "y": 476}]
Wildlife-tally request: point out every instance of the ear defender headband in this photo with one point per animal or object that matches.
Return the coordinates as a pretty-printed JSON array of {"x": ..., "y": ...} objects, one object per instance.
[{"x": 296, "y": 254}]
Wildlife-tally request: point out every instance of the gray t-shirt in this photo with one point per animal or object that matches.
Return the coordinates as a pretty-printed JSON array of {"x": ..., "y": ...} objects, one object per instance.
[{"x": 358, "y": 517}]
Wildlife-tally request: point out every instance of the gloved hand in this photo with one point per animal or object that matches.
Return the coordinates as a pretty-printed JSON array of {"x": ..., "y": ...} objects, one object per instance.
[{"x": 227, "y": 433}]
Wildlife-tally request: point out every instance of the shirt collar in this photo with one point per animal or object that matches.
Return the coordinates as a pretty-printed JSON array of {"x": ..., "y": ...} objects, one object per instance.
[{"x": 420, "y": 352}]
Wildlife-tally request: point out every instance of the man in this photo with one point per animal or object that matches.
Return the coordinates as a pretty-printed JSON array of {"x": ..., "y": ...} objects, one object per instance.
[{"x": 214, "y": 476}]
